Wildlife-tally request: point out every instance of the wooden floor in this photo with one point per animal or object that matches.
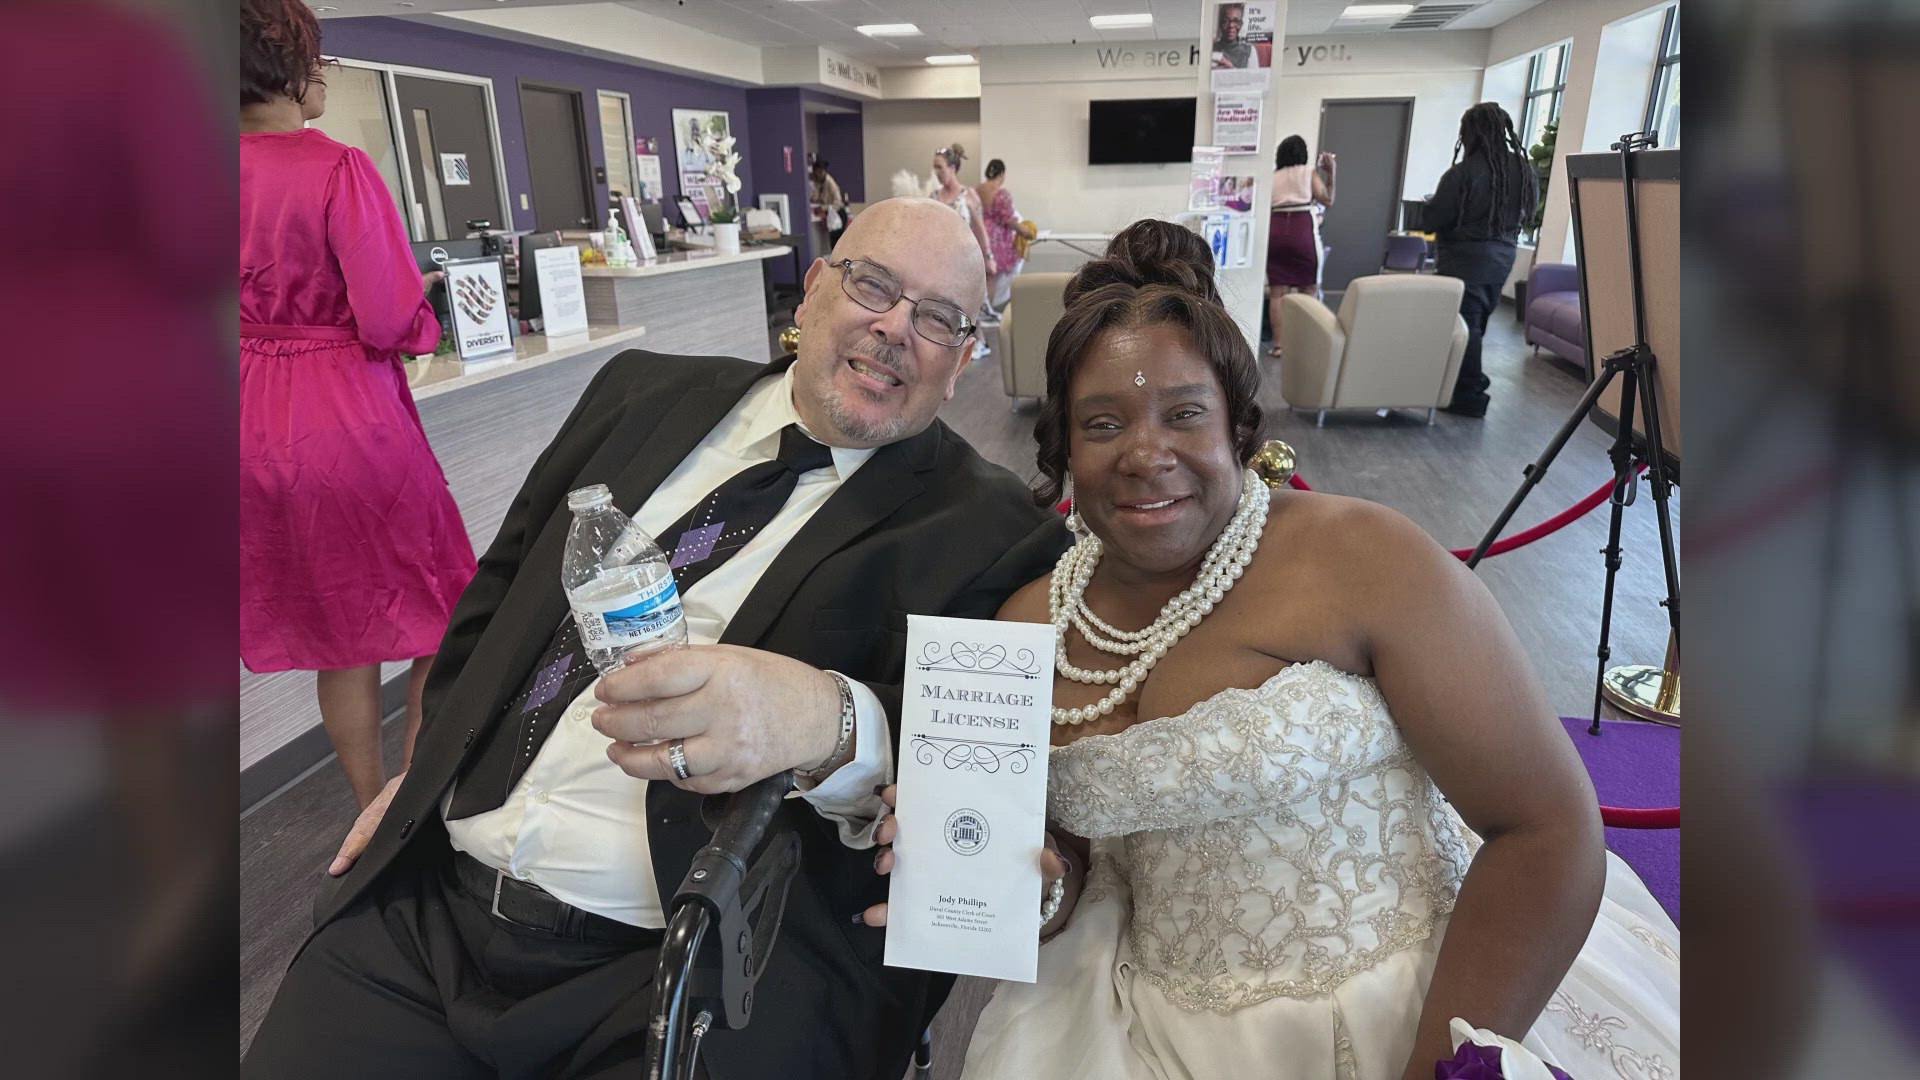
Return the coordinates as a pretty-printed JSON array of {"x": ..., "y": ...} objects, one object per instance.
[{"x": 1452, "y": 478}]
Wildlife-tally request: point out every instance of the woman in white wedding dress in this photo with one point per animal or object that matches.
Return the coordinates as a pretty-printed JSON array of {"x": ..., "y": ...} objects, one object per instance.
[{"x": 1311, "y": 801}]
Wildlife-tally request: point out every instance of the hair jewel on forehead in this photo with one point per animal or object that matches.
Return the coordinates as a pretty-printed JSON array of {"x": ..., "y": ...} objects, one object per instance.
[{"x": 1139, "y": 378}]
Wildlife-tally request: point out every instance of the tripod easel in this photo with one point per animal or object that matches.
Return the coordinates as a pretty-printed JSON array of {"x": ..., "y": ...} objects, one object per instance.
[{"x": 1628, "y": 454}]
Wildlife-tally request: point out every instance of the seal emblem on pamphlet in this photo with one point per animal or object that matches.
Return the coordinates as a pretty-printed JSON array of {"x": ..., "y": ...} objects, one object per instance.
[{"x": 967, "y": 831}]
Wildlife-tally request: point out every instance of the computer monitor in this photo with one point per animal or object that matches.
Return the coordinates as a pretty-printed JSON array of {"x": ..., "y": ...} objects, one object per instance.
[
  {"x": 690, "y": 215},
  {"x": 656, "y": 219},
  {"x": 1411, "y": 211},
  {"x": 430, "y": 254},
  {"x": 530, "y": 271}
]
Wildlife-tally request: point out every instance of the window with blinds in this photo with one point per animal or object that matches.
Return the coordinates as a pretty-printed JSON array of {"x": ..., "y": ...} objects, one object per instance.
[{"x": 616, "y": 141}]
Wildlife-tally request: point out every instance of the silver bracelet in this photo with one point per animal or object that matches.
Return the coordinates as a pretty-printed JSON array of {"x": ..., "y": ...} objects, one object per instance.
[
  {"x": 1050, "y": 907},
  {"x": 832, "y": 760}
]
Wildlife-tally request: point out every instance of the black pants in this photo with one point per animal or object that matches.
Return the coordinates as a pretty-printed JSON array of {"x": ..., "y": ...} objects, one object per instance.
[
  {"x": 1483, "y": 265},
  {"x": 419, "y": 979},
  {"x": 1476, "y": 305}
]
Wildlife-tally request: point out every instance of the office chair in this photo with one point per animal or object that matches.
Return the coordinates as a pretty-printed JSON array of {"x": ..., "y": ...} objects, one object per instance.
[{"x": 1405, "y": 255}]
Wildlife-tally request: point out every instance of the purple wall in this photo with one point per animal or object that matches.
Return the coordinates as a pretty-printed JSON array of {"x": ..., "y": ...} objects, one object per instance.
[
  {"x": 841, "y": 146},
  {"x": 774, "y": 119},
  {"x": 655, "y": 95}
]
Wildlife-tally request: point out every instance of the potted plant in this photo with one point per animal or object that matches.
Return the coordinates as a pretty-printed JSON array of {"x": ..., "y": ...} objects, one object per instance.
[
  {"x": 724, "y": 171},
  {"x": 1540, "y": 156},
  {"x": 726, "y": 230}
]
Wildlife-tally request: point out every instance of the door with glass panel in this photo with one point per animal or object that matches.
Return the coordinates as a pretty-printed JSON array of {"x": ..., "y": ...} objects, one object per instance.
[{"x": 449, "y": 140}]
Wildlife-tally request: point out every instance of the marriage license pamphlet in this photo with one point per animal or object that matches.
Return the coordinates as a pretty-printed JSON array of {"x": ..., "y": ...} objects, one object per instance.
[{"x": 975, "y": 719}]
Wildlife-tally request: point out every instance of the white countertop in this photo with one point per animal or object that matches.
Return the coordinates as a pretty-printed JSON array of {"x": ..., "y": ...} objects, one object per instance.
[
  {"x": 429, "y": 376},
  {"x": 675, "y": 261}
]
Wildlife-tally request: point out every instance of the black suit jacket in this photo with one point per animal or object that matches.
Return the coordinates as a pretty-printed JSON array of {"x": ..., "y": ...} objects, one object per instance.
[{"x": 926, "y": 526}]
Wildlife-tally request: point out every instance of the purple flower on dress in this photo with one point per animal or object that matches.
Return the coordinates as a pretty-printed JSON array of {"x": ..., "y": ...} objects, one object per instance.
[{"x": 1475, "y": 1062}]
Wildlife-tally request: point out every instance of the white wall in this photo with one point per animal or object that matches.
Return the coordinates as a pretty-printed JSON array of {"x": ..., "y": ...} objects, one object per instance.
[
  {"x": 907, "y": 83},
  {"x": 1033, "y": 113},
  {"x": 1623, "y": 78},
  {"x": 1584, "y": 22},
  {"x": 1040, "y": 131},
  {"x": 902, "y": 134},
  {"x": 1440, "y": 71},
  {"x": 1506, "y": 83}
]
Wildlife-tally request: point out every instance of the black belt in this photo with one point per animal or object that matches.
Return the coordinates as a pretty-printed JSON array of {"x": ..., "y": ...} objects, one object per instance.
[{"x": 527, "y": 905}]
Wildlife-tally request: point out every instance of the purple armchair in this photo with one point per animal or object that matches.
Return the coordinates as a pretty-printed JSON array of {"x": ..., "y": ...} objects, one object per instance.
[{"x": 1554, "y": 320}]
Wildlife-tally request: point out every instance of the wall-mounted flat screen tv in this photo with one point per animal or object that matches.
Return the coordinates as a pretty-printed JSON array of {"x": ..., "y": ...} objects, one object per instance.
[{"x": 1140, "y": 131}]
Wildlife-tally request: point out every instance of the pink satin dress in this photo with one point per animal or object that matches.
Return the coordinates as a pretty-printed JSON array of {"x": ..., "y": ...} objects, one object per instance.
[{"x": 352, "y": 551}]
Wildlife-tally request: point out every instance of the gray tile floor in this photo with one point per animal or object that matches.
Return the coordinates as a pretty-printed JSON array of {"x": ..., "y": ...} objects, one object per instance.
[{"x": 1452, "y": 478}]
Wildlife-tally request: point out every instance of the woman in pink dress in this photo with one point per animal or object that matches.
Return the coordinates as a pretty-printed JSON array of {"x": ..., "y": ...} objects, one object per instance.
[
  {"x": 1004, "y": 227},
  {"x": 352, "y": 551}
]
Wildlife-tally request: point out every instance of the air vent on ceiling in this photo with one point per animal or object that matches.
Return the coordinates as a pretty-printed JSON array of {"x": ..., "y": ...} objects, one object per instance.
[{"x": 1432, "y": 16}]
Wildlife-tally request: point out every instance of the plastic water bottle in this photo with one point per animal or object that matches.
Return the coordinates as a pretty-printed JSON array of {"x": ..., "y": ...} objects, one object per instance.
[{"x": 618, "y": 583}]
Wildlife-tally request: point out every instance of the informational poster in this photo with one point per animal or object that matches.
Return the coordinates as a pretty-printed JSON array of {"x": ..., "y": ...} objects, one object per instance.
[
  {"x": 1236, "y": 193},
  {"x": 652, "y": 187},
  {"x": 1242, "y": 52},
  {"x": 1230, "y": 235},
  {"x": 478, "y": 297},
  {"x": 1203, "y": 191},
  {"x": 691, "y": 127},
  {"x": 563, "y": 300},
  {"x": 454, "y": 171},
  {"x": 1236, "y": 122}
]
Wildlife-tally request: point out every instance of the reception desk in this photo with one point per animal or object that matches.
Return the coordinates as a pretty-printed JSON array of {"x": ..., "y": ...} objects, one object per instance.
[
  {"x": 432, "y": 376},
  {"x": 693, "y": 302}
]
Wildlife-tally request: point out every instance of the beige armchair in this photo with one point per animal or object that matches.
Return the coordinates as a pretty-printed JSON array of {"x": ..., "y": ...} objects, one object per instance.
[
  {"x": 1024, "y": 326},
  {"x": 1396, "y": 344}
]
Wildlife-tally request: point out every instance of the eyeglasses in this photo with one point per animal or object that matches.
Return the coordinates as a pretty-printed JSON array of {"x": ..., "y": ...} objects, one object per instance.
[{"x": 874, "y": 287}]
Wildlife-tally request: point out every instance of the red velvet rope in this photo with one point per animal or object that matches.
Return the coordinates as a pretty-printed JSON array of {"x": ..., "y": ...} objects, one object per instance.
[
  {"x": 1499, "y": 547},
  {"x": 1622, "y": 817},
  {"x": 1521, "y": 539}
]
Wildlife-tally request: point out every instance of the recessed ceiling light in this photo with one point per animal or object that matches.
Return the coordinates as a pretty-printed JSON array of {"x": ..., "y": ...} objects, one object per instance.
[
  {"x": 889, "y": 29},
  {"x": 1375, "y": 11},
  {"x": 952, "y": 58},
  {"x": 326, "y": 9},
  {"x": 1121, "y": 22}
]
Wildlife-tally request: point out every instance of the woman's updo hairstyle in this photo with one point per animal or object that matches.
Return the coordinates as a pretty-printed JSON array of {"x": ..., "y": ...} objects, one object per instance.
[
  {"x": 1154, "y": 273},
  {"x": 954, "y": 153}
]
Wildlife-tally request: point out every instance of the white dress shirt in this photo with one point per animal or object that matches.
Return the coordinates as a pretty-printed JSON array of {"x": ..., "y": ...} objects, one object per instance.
[{"x": 574, "y": 824}]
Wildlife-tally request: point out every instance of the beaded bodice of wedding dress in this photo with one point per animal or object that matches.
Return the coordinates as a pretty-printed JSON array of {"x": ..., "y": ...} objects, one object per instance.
[{"x": 1277, "y": 841}]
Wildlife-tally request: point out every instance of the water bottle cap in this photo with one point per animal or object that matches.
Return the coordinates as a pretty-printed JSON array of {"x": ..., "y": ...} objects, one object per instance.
[{"x": 590, "y": 497}]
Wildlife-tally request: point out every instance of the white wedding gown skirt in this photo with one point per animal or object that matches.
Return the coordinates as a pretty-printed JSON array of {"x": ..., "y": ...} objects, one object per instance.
[{"x": 1271, "y": 883}]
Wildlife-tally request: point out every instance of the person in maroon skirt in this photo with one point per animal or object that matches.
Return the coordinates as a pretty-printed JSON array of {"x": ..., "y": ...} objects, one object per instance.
[
  {"x": 1293, "y": 241},
  {"x": 352, "y": 551}
]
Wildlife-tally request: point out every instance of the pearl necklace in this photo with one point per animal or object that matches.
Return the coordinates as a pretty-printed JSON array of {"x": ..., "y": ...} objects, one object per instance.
[{"x": 1226, "y": 560}]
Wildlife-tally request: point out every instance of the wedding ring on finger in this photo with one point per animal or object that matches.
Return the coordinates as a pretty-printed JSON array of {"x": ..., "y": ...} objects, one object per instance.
[{"x": 677, "y": 757}]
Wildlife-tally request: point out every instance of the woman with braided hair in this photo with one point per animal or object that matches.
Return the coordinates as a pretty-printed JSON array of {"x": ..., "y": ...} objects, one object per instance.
[{"x": 1476, "y": 212}]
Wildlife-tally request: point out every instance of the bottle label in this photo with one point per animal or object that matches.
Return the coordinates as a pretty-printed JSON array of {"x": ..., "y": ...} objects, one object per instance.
[{"x": 633, "y": 619}]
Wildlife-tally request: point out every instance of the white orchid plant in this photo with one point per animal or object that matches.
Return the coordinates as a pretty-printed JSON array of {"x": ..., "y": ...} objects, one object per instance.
[
  {"x": 906, "y": 182},
  {"x": 723, "y": 164}
]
